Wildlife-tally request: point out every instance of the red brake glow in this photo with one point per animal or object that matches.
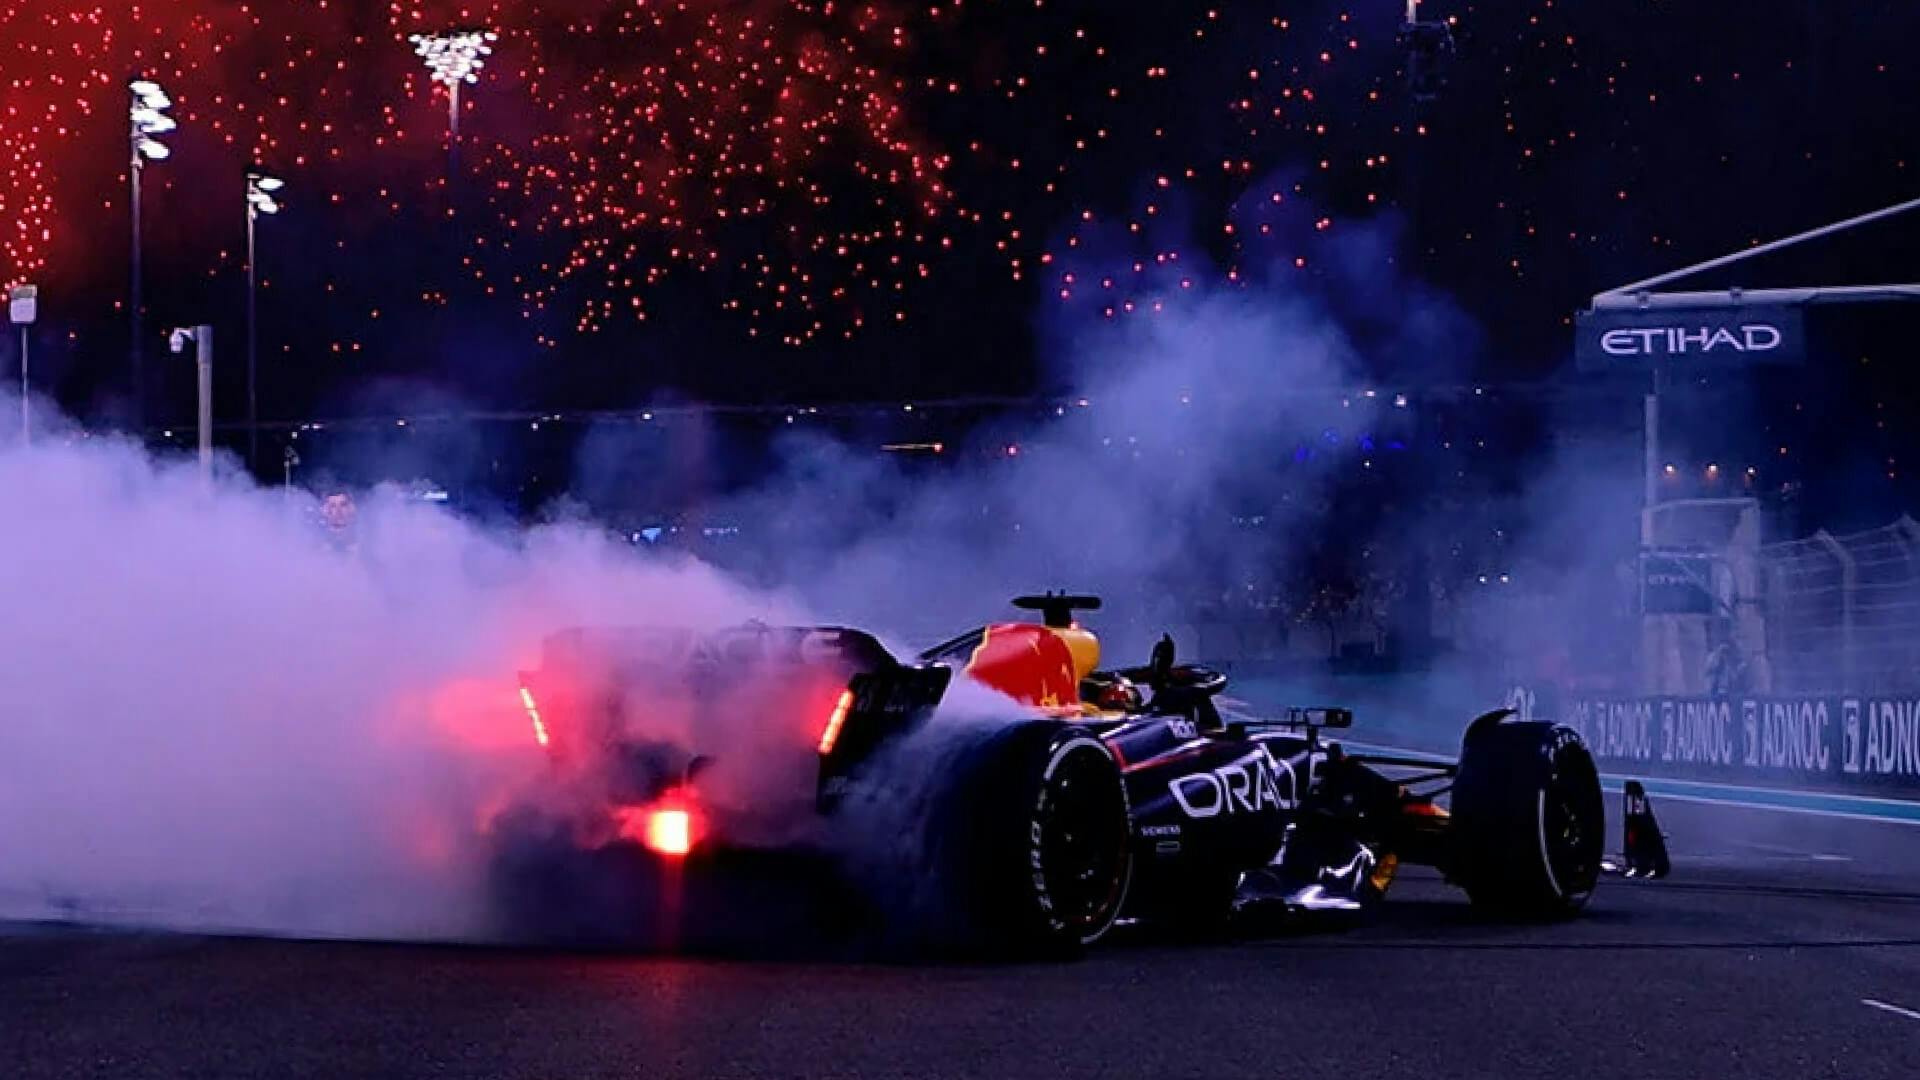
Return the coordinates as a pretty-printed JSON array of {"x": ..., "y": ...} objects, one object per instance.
[
  {"x": 669, "y": 832},
  {"x": 834, "y": 722},
  {"x": 533, "y": 713},
  {"x": 671, "y": 826}
]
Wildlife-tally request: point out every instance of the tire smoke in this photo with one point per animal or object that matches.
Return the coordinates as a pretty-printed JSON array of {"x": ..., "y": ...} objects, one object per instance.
[{"x": 219, "y": 718}]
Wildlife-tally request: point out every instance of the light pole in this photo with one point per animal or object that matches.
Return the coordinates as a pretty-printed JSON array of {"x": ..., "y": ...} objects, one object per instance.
[
  {"x": 260, "y": 189},
  {"x": 22, "y": 306},
  {"x": 1427, "y": 51},
  {"x": 202, "y": 338},
  {"x": 454, "y": 57},
  {"x": 147, "y": 117}
]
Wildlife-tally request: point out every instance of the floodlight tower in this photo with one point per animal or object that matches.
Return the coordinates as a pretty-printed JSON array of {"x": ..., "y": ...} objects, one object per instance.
[
  {"x": 454, "y": 57},
  {"x": 260, "y": 200},
  {"x": 146, "y": 119}
]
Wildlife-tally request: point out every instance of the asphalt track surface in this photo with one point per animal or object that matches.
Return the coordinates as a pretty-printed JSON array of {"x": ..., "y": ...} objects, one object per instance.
[{"x": 1757, "y": 960}]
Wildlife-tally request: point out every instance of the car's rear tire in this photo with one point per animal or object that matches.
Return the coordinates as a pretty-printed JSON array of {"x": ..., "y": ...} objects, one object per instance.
[
  {"x": 1528, "y": 819},
  {"x": 1037, "y": 839}
]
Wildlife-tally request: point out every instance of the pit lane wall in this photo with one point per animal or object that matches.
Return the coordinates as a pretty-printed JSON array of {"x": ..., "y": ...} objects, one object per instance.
[{"x": 1854, "y": 744}]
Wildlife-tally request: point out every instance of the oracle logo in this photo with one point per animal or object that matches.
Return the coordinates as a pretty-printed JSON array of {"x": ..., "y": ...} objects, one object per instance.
[{"x": 1249, "y": 786}]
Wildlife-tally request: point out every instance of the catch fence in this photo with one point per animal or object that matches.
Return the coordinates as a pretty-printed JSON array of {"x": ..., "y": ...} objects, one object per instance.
[{"x": 1843, "y": 612}]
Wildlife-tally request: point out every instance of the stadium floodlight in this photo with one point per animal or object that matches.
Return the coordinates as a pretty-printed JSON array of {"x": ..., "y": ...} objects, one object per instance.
[
  {"x": 148, "y": 94},
  {"x": 454, "y": 57},
  {"x": 260, "y": 200},
  {"x": 152, "y": 121},
  {"x": 147, "y": 105}
]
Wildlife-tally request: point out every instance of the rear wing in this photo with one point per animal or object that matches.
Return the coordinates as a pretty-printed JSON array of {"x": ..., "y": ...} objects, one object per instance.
[
  {"x": 574, "y": 698},
  {"x": 678, "y": 650}
]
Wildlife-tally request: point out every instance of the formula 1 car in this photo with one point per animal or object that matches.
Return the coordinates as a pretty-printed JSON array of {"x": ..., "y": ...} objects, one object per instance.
[{"x": 1037, "y": 799}]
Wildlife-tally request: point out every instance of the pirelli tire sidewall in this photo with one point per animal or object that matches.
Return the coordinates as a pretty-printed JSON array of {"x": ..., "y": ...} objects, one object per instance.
[
  {"x": 1001, "y": 817},
  {"x": 1529, "y": 822}
]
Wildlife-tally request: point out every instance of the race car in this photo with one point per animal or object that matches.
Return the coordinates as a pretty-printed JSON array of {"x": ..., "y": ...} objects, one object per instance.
[{"x": 1006, "y": 781}]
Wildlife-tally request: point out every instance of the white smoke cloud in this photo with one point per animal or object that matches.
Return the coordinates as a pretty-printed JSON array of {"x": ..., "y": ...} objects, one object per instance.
[
  {"x": 1189, "y": 417},
  {"x": 218, "y": 718}
]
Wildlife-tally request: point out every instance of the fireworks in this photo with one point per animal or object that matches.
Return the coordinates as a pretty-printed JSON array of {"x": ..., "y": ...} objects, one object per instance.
[
  {"x": 798, "y": 153},
  {"x": 770, "y": 145},
  {"x": 641, "y": 137},
  {"x": 820, "y": 167}
]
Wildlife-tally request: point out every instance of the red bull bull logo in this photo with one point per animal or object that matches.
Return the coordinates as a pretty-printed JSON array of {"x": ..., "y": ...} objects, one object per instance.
[{"x": 1028, "y": 663}]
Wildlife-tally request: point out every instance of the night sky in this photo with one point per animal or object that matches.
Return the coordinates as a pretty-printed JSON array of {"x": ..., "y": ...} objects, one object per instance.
[{"x": 784, "y": 200}]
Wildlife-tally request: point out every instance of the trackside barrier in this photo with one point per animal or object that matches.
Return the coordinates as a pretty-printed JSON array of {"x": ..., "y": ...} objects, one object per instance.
[{"x": 1857, "y": 744}]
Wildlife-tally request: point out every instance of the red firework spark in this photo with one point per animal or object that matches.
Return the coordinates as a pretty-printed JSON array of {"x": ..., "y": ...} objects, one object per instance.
[
  {"x": 765, "y": 139},
  {"x": 780, "y": 148},
  {"x": 769, "y": 142}
]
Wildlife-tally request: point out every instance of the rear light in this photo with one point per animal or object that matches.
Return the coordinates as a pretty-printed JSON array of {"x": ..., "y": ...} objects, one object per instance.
[
  {"x": 533, "y": 713},
  {"x": 671, "y": 826},
  {"x": 669, "y": 832},
  {"x": 835, "y": 721}
]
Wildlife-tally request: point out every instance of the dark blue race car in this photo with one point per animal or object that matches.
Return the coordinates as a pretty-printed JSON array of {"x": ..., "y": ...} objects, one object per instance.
[{"x": 1004, "y": 781}]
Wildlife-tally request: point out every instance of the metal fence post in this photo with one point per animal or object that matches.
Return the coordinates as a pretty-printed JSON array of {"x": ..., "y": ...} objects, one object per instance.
[
  {"x": 1906, "y": 532},
  {"x": 1849, "y": 582}
]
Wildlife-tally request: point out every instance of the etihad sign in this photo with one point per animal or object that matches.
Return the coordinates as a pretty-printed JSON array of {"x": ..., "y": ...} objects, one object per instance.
[
  {"x": 1681, "y": 340},
  {"x": 1728, "y": 336}
]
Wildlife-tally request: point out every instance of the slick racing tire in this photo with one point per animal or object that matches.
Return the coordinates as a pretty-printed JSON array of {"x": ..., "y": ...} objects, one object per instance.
[
  {"x": 1038, "y": 831},
  {"x": 1528, "y": 819}
]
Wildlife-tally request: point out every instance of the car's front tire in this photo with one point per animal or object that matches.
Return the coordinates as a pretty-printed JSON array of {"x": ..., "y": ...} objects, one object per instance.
[{"x": 1528, "y": 819}]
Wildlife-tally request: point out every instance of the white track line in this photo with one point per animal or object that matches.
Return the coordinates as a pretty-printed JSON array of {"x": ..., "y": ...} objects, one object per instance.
[
  {"x": 1895, "y": 1009},
  {"x": 1869, "y": 800},
  {"x": 1611, "y": 783}
]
